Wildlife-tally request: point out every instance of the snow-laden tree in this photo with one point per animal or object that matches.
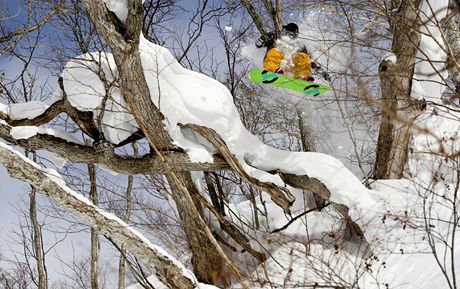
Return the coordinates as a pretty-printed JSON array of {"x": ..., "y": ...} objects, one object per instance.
[{"x": 308, "y": 221}]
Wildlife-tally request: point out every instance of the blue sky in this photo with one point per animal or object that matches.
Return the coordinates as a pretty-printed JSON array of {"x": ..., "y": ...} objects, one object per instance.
[{"x": 12, "y": 190}]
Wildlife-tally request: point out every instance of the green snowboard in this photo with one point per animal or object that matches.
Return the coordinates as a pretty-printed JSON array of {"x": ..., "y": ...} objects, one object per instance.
[{"x": 283, "y": 81}]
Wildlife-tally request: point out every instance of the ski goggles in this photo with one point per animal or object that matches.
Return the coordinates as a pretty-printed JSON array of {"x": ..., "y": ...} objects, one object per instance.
[{"x": 292, "y": 34}]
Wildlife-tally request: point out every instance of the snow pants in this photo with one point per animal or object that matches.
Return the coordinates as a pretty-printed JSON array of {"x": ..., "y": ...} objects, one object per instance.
[{"x": 301, "y": 63}]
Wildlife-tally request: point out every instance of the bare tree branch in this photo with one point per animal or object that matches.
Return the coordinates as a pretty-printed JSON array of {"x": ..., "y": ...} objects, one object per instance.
[
  {"x": 255, "y": 16},
  {"x": 28, "y": 29},
  {"x": 275, "y": 12}
]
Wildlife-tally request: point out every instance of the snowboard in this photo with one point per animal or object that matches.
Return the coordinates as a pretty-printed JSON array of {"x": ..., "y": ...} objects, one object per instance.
[{"x": 287, "y": 82}]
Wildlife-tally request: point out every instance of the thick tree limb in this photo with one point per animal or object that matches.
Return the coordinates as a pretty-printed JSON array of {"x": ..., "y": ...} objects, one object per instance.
[
  {"x": 317, "y": 187},
  {"x": 104, "y": 155},
  {"x": 84, "y": 119},
  {"x": 307, "y": 183},
  {"x": 275, "y": 13},
  {"x": 165, "y": 268},
  {"x": 255, "y": 16},
  {"x": 281, "y": 196}
]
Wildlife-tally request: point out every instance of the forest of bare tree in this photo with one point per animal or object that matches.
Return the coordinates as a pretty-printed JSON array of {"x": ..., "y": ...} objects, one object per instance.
[{"x": 342, "y": 190}]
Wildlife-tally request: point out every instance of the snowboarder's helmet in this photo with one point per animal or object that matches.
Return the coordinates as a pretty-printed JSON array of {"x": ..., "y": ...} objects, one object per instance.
[{"x": 291, "y": 29}]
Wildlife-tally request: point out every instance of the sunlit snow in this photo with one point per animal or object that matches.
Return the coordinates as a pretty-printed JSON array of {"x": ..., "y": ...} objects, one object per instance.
[
  {"x": 185, "y": 96},
  {"x": 429, "y": 72}
]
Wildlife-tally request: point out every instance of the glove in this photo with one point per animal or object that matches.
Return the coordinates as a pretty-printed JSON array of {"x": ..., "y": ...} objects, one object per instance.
[
  {"x": 263, "y": 40},
  {"x": 259, "y": 43},
  {"x": 279, "y": 70}
]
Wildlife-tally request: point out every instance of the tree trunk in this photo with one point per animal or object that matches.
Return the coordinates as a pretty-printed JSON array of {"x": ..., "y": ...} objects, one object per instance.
[
  {"x": 94, "y": 235},
  {"x": 274, "y": 10},
  {"x": 258, "y": 21},
  {"x": 37, "y": 239},
  {"x": 306, "y": 134},
  {"x": 398, "y": 109},
  {"x": 124, "y": 44},
  {"x": 129, "y": 206},
  {"x": 205, "y": 259},
  {"x": 452, "y": 31}
]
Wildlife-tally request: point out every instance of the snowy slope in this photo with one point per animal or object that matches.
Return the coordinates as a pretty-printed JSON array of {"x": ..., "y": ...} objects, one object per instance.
[{"x": 313, "y": 249}]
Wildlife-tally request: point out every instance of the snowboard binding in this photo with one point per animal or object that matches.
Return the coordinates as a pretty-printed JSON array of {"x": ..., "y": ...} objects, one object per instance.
[
  {"x": 269, "y": 77},
  {"x": 312, "y": 90}
]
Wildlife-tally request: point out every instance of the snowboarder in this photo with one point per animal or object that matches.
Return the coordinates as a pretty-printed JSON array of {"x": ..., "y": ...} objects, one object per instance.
[{"x": 285, "y": 53}]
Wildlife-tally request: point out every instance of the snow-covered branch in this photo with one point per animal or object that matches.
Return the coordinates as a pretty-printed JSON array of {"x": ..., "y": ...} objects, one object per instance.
[
  {"x": 105, "y": 156},
  {"x": 167, "y": 269},
  {"x": 280, "y": 196}
]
